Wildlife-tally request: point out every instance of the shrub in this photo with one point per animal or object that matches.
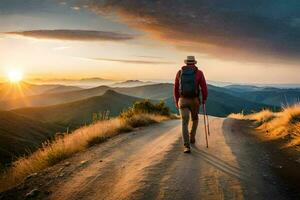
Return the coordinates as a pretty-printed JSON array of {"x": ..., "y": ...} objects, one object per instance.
[{"x": 148, "y": 107}]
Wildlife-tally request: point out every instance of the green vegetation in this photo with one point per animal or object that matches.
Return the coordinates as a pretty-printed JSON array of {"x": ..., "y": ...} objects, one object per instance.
[
  {"x": 135, "y": 117},
  {"x": 146, "y": 106}
]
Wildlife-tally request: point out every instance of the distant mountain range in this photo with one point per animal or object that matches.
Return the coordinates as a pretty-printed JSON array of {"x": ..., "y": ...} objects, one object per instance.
[
  {"x": 155, "y": 91},
  {"x": 84, "y": 83},
  {"x": 43, "y": 110},
  {"x": 244, "y": 95},
  {"x": 131, "y": 83},
  {"x": 266, "y": 95}
]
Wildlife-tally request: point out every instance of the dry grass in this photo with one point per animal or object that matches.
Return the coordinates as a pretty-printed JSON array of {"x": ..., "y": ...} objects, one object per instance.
[
  {"x": 62, "y": 148},
  {"x": 284, "y": 124}
]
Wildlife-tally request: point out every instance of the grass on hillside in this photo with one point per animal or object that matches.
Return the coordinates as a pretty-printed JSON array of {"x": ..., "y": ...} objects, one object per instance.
[
  {"x": 283, "y": 124},
  {"x": 63, "y": 147}
]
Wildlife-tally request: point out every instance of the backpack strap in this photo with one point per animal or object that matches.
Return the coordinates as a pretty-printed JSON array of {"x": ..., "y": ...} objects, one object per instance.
[
  {"x": 197, "y": 86},
  {"x": 180, "y": 84}
]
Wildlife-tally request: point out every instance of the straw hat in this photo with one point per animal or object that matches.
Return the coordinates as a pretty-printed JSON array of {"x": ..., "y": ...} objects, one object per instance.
[{"x": 190, "y": 60}]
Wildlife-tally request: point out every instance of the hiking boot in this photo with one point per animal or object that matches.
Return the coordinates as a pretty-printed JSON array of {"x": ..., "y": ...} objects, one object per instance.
[
  {"x": 192, "y": 139},
  {"x": 187, "y": 150}
]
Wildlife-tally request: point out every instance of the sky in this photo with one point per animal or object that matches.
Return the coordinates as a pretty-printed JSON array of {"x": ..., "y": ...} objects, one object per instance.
[{"x": 249, "y": 41}]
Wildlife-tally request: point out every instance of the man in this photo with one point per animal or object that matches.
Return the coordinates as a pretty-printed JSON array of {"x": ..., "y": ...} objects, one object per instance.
[{"x": 189, "y": 83}]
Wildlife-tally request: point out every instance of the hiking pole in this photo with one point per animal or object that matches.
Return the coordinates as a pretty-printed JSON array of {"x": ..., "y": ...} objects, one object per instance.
[
  {"x": 205, "y": 126},
  {"x": 204, "y": 108}
]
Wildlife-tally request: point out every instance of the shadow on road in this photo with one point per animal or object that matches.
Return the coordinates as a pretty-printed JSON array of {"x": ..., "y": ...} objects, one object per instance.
[{"x": 253, "y": 161}]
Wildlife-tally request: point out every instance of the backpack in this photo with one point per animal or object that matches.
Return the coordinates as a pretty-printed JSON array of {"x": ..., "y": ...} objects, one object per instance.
[{"x": 187, "y": 83}]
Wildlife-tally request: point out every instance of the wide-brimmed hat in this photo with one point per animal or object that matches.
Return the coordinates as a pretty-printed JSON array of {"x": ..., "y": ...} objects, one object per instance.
[{"x": 190, "y": 60}]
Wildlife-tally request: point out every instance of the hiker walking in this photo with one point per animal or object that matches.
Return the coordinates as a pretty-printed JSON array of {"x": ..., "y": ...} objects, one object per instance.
[{"x": 189, "y": 83}]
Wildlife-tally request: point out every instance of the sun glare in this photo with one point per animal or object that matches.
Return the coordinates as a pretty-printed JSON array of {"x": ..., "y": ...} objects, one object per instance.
[{"x": 15, "y": 76}]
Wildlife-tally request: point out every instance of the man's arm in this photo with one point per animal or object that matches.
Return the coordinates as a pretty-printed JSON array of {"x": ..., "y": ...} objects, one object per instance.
[
  {"x": 176, "y": 89},
  {"x": 203, "y": 87}
]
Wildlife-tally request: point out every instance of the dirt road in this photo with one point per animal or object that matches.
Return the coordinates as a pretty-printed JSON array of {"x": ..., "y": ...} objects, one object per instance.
[{"x": 149, "y": 164}]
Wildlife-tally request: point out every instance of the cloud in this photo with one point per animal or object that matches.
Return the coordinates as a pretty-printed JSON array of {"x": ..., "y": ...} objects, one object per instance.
[
  {"x": 229, "y": 29},
  {"x": 80, "y": 35},
  {"x": 132, "y": 61}
]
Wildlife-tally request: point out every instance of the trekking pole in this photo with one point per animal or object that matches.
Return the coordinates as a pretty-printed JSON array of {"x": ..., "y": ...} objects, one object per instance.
[
  {"x": 205, "y": 126},
  {"x": 204, "y": 107}
]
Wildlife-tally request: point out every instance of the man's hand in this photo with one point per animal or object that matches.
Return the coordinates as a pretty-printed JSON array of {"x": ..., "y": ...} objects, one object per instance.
[{"x": 203, "y": 102}]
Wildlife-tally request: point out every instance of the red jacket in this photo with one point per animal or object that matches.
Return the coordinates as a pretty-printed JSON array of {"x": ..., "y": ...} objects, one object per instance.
[{"x": 200, "y": 81}]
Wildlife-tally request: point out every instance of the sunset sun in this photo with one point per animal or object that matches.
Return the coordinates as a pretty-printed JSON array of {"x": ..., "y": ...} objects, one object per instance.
[{"x": 15, "y": 76}]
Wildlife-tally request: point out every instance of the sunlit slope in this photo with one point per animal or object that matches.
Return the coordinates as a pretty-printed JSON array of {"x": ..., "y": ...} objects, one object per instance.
[
  {"x": 22, "y": 89},
  {"x": 280, "y": 125},
  {"x": 52, "y": 98}
]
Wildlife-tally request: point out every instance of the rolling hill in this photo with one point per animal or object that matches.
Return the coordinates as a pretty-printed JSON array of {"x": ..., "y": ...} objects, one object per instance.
[
  {"x": 79, "y": 113},
  {"x": 21, "y": 90},
  {"x": 19, "y": 134},
  {"x": 62, "y": 88},
  {"x": 10, "y": 91},
  {"x": 222, "y": 101}
]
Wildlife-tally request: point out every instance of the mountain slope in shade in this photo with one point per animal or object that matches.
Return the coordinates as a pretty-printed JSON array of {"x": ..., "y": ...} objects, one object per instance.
[
  {"x": 78, "y": 113},
  {"x": 19, "y": 134},
  {"x": 268, "y": 95}
]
